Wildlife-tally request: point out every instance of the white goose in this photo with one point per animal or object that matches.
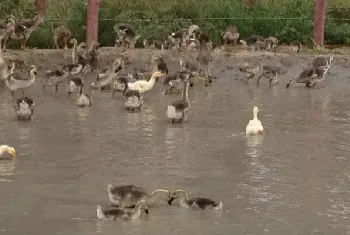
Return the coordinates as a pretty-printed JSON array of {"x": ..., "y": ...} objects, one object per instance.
[
  {"x": 254, "y": 126},
  {"x": 144, "y": 86},
  {"x": 7, "y": 149}
]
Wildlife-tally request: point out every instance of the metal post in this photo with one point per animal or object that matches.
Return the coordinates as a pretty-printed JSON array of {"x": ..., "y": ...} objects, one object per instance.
[
  {"x": 319, "y": 21},
  {"x": 92, "y": 21}
]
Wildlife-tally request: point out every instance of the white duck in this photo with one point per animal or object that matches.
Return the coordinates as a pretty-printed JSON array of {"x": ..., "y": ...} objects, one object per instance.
[
  {"x": 7, "y": 149},
  {"x": 254, "y": 126},
  {"x": 144, "y": 86}
]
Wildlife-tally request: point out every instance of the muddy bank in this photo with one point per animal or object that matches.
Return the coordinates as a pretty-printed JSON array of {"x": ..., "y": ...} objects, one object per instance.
[{"x": 224, "y": 62}]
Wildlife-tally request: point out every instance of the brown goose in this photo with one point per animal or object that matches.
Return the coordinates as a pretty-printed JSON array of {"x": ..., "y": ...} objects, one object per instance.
[{"x": 309, "y": 76}]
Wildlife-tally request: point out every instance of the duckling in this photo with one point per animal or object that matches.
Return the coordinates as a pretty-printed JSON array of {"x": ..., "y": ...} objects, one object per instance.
[
  {"x": 309, "y": 76},
  {"x": 76, "y": 83},
  {"x": 254, "y": 126},
  {"x": 54, "y": 78},
  {"x": 119, "y": 213},
  {"x": 249, "y": 70},
  {"x": 107, "y": 79},
  {"x": 175, "y": 80},
  {"x": 129, "y": 195},
  {"x": 197, "y": 202},
  {"x": 7, "y": 149},
  {"x": 269, "y": 72},
  {"x": 84, "y": 100},
  {"x": 61, "y": 33},
  {"x": 132, "y": 98},
  {"x": 145, "y": 86},
  {"x": 15, "y": 81},
  {"x": 24, "y": 108},
  {"x": 176, "y": 111}
]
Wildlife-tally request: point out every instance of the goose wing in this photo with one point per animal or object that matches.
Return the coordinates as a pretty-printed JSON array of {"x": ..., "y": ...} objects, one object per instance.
[
  {"x": 125, "y": 190},
  {"x": 112, "y": 211},
  {"x": 18, "y": 77},
  {"x": 309, "y": 72},
  {"x": 179, "y": 105},
  {"x": 76, "y": 80}
]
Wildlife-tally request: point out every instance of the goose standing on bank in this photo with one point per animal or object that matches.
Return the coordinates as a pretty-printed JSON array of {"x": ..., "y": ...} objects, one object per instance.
[
  {"x": 24, "y": 108},
  {"x": 15, "y": 81},
  {"x": 7, "y": 149},
  {"x": 119, "y": 213},
  {"x": 129, "y": 195},
  {"x": 197, "y": 202},
  {"x": 254, "y": 126},
  {"x": 176, "y": 111}
]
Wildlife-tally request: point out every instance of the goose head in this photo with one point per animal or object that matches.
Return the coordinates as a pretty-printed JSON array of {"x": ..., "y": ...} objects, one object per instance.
[
  {"x": 33, "y": 69},
  {"x": 9, "y": 150}
]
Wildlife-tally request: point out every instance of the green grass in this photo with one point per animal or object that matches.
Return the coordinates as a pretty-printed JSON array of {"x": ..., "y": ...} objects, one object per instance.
[{"x": 294, "y": 18}]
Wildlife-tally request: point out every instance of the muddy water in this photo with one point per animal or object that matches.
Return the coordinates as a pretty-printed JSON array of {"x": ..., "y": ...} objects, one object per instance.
[{"x": 293, "y": 180}]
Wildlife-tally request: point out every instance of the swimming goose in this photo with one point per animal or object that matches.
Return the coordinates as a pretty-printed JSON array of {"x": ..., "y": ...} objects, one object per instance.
[
  {"x": 144, "y": 86},
  {"x": 24, "y": 108},
  {"x": 175, "y": 80},
  {"x": 254, "y": 126},
  {"x": 107, "y": 79},
  {"x": 176, "y": 111},
  {"x": 119, "y": 213},
  {"x": 129, "y": 195},
  {"x": 84, "y": 100},
  {"x": 309, "y": 76},
  {"x": 197, "y": 202},
  {"x": 15, "y": 81},
  {"x": 54, "y": 78},
  {"x": 7, "y": 149},
  {"x": 76, "y": 83},
  {"x": 133, "y": 100}
]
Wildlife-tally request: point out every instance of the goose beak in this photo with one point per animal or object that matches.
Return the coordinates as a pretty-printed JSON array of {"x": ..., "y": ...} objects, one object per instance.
[{"x": 171, "y": 200}]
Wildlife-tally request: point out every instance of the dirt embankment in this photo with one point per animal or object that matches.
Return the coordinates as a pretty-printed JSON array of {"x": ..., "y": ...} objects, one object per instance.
[{"x": 140, "y": 58}]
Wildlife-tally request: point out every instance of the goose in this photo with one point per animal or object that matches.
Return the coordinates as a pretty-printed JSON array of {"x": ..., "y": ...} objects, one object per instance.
[
  {"x": 254, "y": 126},
  {"x": 119, "y": 213},
  {"x": 61, "y": 33},
  {"x": 175, "y": 80},
  {"x": 5, "y": 70},
  {"x": 269, "y": 72},
  {"x": 76, "y": 83},
  {"x": 309, "y": 76},
  {"x": 15, "y": 81},
  {"x": 129, "y": 195},
  {"x": 7, "y": 149},
  {"x": 73, "y": 69},
  {"x": 249, "y": 70},
  {"x": 24, "y": 108},
  {"x": 54, "y": 78},
  {"x": 176, "y": 111},
  {"x": 120, "y": 83},
  {"x": 322, "y": 63},
  {"x": 133, "y": 100},
  {"x": 145, "y": 86},
  {"x": 197, "y": 202},
  {"x": 84, "y": 100},
  {"x": 107, "y": 79}
]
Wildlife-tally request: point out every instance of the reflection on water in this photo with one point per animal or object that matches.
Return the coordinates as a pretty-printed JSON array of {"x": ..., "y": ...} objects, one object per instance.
[{"x": 294, "y": 179}]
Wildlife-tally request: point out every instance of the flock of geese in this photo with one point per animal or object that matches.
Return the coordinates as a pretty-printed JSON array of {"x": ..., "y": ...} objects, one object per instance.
[{"x": 129, "y": 201}]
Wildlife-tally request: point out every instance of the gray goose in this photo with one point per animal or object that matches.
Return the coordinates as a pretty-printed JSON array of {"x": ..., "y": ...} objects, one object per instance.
[
  {"x": 76, "y": 83},
  {"x": 15, "y": 81},
  {"x": 197, "y": 202},
  {"x": 175, "y": 80},
  {"x": 309, "y": 76},
  {"x": 129, "y": 195},
  {"x": 269, "y": 72},
  {"x": 176, "y": 111},
  {"x": 113, "y": 213}
]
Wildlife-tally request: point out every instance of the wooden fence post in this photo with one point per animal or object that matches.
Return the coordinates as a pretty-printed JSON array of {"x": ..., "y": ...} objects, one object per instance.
[
  {"x": 92, "y": 21},
  {"x": 319, "y": 21}
]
